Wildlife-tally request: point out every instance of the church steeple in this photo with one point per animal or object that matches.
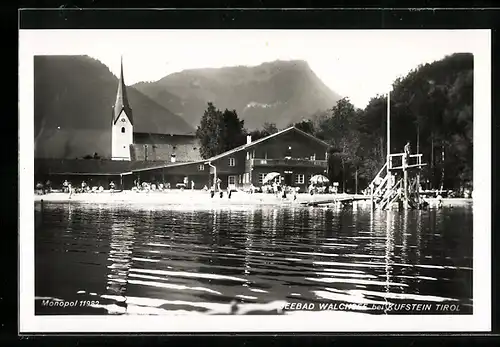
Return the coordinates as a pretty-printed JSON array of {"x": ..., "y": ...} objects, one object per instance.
[
  {"x": 122, "y": 127},
  {"x": 121, "y": 103}
]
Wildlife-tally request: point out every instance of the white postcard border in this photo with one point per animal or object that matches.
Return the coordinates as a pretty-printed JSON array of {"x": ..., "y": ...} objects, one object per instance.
[{"x": 480, "y": 320}]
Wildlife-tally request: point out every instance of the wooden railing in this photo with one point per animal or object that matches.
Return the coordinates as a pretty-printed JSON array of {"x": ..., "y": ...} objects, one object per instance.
[
  {"x": 378, "y": 176},
  {"x": 396, "y": 160},
  {"x": 391, "y": 195}
]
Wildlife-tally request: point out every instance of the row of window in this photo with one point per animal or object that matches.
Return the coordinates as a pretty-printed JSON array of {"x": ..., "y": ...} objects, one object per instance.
[
  {"x": 245, "y": 178},
  {"x": 232, "y": 162},
  {"x": 299, "y": 178}
]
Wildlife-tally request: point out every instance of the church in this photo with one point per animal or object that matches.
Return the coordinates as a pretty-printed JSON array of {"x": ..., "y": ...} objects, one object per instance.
[{"x": 129, "y": 144}]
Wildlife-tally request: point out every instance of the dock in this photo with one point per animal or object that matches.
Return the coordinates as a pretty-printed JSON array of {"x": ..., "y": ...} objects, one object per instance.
[{"x": 334, "y": 200}]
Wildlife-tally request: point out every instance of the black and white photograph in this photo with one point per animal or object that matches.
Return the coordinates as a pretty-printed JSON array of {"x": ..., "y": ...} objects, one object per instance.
[{"x": 254, "y": 180}]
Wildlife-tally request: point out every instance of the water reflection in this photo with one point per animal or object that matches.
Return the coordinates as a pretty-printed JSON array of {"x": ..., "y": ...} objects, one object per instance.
[
  {"x": 173, "y": 260},
  {"x": 389, "y": 252},
  {"x": 120, "y": 257}
]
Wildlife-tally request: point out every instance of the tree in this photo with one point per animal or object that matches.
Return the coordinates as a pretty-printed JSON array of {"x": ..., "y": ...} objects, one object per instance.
[
  {"x": 219, "y": 131},
  {"x": 234, "y": 131},
  {"x": 267, "y": 129},
  {"x": 340, "y": 130},
  {"x": 306, "y": 125}
]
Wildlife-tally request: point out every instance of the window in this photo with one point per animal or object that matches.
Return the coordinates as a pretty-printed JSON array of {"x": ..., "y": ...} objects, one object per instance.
[
  {"x": 299, "y": 179},
  {"x": 201, "y": 167},
  {"x": 231, "y": 180},
  {"x": 123, "y": 130},
  {"x": 232, "y": 162},
  {"x": 261, "y": 178}
]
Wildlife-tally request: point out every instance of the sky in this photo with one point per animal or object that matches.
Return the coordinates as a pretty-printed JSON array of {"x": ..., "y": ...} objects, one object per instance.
[{"x": 358, "y": 64}]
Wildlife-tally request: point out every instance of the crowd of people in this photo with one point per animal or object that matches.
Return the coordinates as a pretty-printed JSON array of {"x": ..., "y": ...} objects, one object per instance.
[
  {"x": 160, "y": 186},
  {"x": 67, "y": 187}
]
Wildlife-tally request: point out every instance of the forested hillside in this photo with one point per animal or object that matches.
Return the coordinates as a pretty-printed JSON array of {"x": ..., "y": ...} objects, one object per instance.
[{"x": 431, "y": 107}]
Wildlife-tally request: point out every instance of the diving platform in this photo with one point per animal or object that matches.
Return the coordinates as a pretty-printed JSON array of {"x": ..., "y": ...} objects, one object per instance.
[{"x": 398, "y": 182}]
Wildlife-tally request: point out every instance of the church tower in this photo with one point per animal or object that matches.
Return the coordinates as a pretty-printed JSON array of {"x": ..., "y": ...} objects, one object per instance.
[{"x": 122, "y": 125}]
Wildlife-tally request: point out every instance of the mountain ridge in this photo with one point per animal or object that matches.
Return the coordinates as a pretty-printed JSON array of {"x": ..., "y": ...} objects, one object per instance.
[{"x": 289, "y": 89}]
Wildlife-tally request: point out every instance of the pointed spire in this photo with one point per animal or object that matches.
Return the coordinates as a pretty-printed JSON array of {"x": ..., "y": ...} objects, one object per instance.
[{"x": 121, "y": 103}]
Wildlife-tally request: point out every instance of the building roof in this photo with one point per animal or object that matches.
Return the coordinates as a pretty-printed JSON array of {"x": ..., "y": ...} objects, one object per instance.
[
  {"x": 122, "y": 103},
  {"x": 113, "y": 167},
  {"x": 253, "y": 143},
  {"x": 167, "y": 165},
  {"x": 90, "y": 166}
]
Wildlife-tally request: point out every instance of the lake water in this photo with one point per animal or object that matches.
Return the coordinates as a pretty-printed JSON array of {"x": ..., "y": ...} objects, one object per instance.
[{"x": 124, "y": 259}]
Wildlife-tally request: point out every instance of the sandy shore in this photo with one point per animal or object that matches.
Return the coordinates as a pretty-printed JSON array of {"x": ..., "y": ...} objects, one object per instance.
[
  {"x": 198, "y": 197},
  {"x": 177, "y": 197}
]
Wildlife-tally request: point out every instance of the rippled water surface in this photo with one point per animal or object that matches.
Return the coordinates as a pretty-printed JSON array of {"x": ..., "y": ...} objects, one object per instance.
[{"x": 118, "y": 259}]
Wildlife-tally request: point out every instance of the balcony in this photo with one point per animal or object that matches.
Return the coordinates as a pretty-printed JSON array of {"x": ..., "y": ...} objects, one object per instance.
[{"x": 288, "y": 162}]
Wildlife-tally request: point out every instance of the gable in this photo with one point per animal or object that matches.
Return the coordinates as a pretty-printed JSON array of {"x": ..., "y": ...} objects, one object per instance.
[
  {"x": 295, "y": 138},
  {"x": 123, "y": 118},
  {"x": 323, "y": 144}
]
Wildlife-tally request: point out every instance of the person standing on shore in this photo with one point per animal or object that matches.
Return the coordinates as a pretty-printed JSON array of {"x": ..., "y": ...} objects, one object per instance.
[
  {"x": 48, "y": 186},
  {"x": 192, "y": 185},
  {"x": 65, "y": 186},
  {"x": 39, "y": 188},
  {"x": 70, "y": 189},
  {"x": 439, "y": 200}
]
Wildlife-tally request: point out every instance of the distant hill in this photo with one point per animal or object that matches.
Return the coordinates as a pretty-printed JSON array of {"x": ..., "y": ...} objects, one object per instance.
[
  {"x": 278, "y": 92},
  {"x": 73, "y": 103}
]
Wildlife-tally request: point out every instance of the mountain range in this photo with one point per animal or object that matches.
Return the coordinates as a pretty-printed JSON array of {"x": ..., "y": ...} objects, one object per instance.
[
  {"x": 280, "y": 92},
  {"x": 74, "y": 97}
]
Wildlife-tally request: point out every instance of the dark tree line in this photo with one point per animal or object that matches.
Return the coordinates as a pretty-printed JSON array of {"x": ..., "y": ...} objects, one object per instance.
[{"x": 431, "y": 108}]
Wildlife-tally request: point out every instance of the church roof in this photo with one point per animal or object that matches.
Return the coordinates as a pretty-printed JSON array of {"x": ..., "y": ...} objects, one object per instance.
[{"x": 122, "y": 103}]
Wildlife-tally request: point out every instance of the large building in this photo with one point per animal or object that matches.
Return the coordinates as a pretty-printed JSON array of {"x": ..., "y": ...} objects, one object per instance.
[
  {"x": 294, "y": 154},
  {"x": 174, "y": 159}
]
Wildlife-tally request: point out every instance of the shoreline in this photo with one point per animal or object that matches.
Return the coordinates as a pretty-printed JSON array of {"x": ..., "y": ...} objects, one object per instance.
[{"x": 199, "y": 197}]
